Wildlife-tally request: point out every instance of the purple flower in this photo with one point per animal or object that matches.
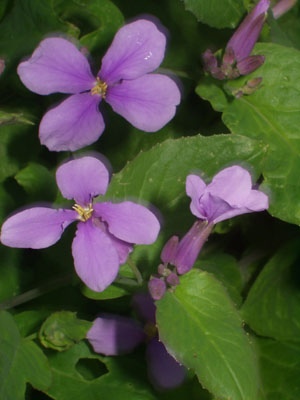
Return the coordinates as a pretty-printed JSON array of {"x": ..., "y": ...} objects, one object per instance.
[
  {"x": 147, "y": 101},
  {"x": 113, "y": 335},
  {"x": 229, "y": 194},
  {"x": 237, "y": 60},
  {"x": 282, "y": 7},
  {"x": 105, "y": 233}
]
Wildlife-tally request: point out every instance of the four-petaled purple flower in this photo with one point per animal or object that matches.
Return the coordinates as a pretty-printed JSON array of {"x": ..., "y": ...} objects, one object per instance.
[
  {"x": 147, "y": 101},
  {"x": 229, "y": 194},
  {"x": 237, "y": 60},
  {"x": 105, "y": 233},
  {"x": 113, "y": 335}
]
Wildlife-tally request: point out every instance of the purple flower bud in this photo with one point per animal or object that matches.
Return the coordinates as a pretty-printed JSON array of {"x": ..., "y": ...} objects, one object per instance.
[
  {"x": 282, "y": 7},
  {"x": 2, "y": 66},
  {"x": 245, "y": 37},
  {"x": 229, "y": 57},
  {"x": 210, "y": 64},
  {"x": 250, "y": 64},
  {"x": 169, "y": 251},
  {"x": 172, "y": 279},
  {"x": 157, "y": 288},
  {"x": 190, "y": 246}
]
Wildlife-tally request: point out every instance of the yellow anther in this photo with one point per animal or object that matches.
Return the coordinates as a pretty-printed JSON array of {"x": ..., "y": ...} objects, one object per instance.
[
  {"x": 84, "y": 213},
  {"x": 99, "y": 88}
]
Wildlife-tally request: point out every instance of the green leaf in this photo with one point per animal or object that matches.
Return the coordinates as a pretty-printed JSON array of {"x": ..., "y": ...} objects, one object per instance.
[
  {"x": 112, "y": 292},
  {"x": 271, "y": 114},
  {"x": 122, "y": 381},
  {"x": 158, "y": 175},
  {"x": 272, "y": 307},
  {"x": 201, "y": 328},
  {"x": 280, "y": 369},
  {"x": 21, "y": 361},
  {"x": 13, "y": 118},
  {"x": 210, "y": 90},
  {"x": 37, "y": 181},
  {"x": 219, "y": 14},
  {"x": 62, "y": 330}
]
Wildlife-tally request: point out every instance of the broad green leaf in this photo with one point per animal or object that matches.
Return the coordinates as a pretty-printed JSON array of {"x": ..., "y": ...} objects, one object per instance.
[
  {"x": 62, "y": 330},
  {"x": 21, "y": 361},
  {"x": 219, "y": 14},
  {"x": 272, "y": 307},
  {"x": 122, "y": 381},
  {"x": 280, "y": 369},
  {"x": 226, "y": 270},
  {"x": 7, "y": 118},
  {"x": 201, "y": 328},
  {"x": 37, "y": 181},
  {"x": 158, "y": 175},
  {"x": 210, "y": 90},
  {"x": 271, "y": 114},
  {"x": 10, "y": 273}
]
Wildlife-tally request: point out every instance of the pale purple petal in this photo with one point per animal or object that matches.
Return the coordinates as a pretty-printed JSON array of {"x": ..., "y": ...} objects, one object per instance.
[
  {"x": 245, "y": 37},
  {"x": 169, "y": 250},
  {"x": 257, "y": 201},
  {"x": 232, "y": 185},
  {"x": 56, "y": 65},
  {"x": 137, "y": 48},
  {"x": 82, "y": 179},
  {"x": 163, "y": 370},
  {"x": 73, "y": 124},
  {"x": 95, "y": 258},
  {"x": 282, "y": 7},
  {"x": 112, "y": 335},
  {"x": 195, "y": 187},
  {"x": 190, "y": 246},
  {"x": 148, "y": 102},
  {"x": 36, "y": 227},
  {"x": 144, "y": 306},
  {"x": 128, "y": 221}
]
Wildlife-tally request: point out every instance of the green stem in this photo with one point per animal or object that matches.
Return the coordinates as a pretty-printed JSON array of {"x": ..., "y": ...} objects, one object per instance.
[
  {"x": 36, "y": 292},
  {"x": 135, "y": 270}
]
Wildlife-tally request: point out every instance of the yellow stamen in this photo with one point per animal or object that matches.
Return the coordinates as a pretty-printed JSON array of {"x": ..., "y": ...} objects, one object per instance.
[
  {"x": 99, "y": 88},
  {"x": 84, "y": 213}
]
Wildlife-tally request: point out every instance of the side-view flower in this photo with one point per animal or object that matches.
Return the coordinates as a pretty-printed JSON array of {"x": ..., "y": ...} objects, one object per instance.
[
  {"x": 237, "y": 59},
  {"x": 114, "y": 335},
  {"x": 147, "y": 101},
  {"x": 229, "y": 194},
  {"x": 105, "y": 233}
]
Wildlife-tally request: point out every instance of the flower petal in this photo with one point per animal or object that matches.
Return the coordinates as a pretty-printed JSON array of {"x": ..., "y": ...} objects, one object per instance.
[
  {"x": 82, "y": 179},
  {"x": 36, "y": 227},
  {"x": 96, "y": 261},
  {"x": 73, "y": 124},
  {"x": 56, "y": 65},
  {"x": 144, "y": 306},
  {"x": 113, "y": 335},
  {"x": 148, "y": 102},
  {"x": 257, "y": 201},
  {"x": 232, "y": 185},
  {"x": 137, "y": 48},
  {"x": 195, "y": 187},
  {"x": 128, "y": 221},
  {"x": 163, "y": 370}
]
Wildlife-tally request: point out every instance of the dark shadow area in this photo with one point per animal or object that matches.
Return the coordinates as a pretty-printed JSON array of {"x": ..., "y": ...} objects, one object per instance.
[{"x": 90, "y": 368}]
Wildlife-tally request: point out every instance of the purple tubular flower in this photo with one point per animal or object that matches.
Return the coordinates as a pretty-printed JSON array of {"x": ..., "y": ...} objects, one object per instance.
[
  {"x": 114, "y": 335},
  {"x": 105, "y": 233},
  {"x": 147, "y": 101},
  {"x": 245, "y": 37},
  {"x": 229, "y": 194},
  {"x": 282, "y": 7},
  {"x": 169, "y": 251}
]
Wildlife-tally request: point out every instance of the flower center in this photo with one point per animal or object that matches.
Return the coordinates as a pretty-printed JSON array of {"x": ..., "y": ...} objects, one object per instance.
[
  {"x": 100, "y": 88},
  {"x": 84, "y": 213}
]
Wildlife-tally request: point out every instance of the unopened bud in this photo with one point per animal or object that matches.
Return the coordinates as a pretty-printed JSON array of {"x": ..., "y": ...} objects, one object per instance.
[{"x": 157, "y": 288}]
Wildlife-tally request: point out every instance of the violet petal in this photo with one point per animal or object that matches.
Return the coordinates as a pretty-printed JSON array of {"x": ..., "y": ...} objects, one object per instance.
[
  {"x": 195, "y": 188},
  {"x": 144, "y": 306},
  {"x": 56, "y": 65},
  {"x": 112, "y": 335},
  {"x": 137, "y": 48},
  {"x": 169, "y": 250},
  {"x": 128, "y": 221},
  {"x": 73, "y": 124},
  {"x": 96, "y": 261},
  {"x": 163, "y": 370},
  {"x": 250, "y": 64},
  {"x": 148, "y": 102},
  {"x": 36, "y": 228},
  {"x": 82, "y": 179}
]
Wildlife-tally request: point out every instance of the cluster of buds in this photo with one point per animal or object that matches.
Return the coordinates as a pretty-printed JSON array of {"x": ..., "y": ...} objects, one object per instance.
[{"x": 237, "y": 59}]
